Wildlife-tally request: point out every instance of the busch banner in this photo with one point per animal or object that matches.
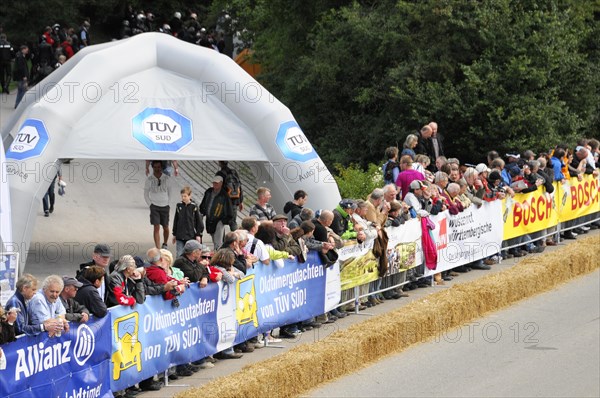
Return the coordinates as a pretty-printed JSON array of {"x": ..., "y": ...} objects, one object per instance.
[
  {"x": 529, "y": 212},
  {"x": 468, "y": 236},
  {"x": 578, "y": 198},
  {"x": 71, "y": 366}
]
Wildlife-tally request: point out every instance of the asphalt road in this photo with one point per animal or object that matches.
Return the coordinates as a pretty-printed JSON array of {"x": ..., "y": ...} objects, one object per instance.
[{"x": 547, "y": 346}]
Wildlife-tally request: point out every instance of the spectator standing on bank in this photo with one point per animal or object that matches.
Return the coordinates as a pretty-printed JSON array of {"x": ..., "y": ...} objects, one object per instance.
[
  {"x": 294, "y": 207},
  {"x": 6, "y": 56},
  {"x": 262, "y": 210},
  {"x": 187, "y": 223},
  {"x": 233, "y": 188},
  {"x": 21, "y": 74},
  {"x": 216, "y": 206},
  {"x": 157, "y": 193}
]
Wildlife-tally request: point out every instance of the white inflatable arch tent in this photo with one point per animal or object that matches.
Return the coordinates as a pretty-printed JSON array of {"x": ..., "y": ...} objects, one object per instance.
[{"x": 153, "y": 96}]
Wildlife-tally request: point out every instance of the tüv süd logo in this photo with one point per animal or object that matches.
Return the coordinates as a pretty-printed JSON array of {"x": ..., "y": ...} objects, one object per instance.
[{"x": 162, "y": 130}]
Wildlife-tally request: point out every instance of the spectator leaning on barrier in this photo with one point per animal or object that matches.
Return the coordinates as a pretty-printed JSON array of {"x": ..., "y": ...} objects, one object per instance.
[
  {"x": 188, "y": 263},
  {"x": 26, "y": 288},
  {"x": 7, "y": 326},
  {"x": 342, "y": 219},
  {"x": 157, "y": 273},
  {"x": 283, "y": 239},
  {"x": 46, "y": 310},
  {"x": 126, "y": 284},
  {"x": 305, "y": 215},
  {"x": 254, "y": 245},
  {"x": 91, "y": 278},
  {"x": 74, "y": 311},
  {"x": 100, "y": 257}
]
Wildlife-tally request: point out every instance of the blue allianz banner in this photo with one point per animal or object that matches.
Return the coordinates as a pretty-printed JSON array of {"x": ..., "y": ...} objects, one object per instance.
[
  {"x": 74, "y": 365},
  {"x": 150, "y": 338}
]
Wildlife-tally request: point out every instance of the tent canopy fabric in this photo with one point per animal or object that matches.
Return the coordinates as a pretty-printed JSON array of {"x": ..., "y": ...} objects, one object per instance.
[{"x": 153, "y": 96}]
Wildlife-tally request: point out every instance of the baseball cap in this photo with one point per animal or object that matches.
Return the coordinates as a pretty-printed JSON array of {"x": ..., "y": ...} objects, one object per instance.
[
  {"x": 192, "y": 245},
  {"x": 70, "y": 281},
  {"x": 102, "y": 250},
  {"x": 481, "y": 168},
  {"x": 217, "y": 179},
  {"x": 280, "y": 217},
  {"x": 416, "y": 184}
]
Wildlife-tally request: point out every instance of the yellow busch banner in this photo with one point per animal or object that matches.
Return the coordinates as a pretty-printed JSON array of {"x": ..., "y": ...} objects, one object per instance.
[
  {"x": 578, "y": 198},
  {"x": 529, "y": 212}
]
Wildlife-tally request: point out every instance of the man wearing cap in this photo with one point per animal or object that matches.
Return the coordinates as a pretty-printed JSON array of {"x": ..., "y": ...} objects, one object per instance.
[
  {"x": 189, "y": 265},
  {"x": 100, "y": 257},
  {"x": 157, "y": 193},
  {"x": 216, "y": 206},
  {"x": 342, "y": 219},
  {"x": 414, "y": 198},
  {"x": 284, "y": 241},
  {"x": 75, "y": 312}
]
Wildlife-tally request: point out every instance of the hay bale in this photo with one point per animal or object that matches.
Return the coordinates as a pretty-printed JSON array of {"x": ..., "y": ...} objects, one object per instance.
[{"x": 304, "y": 367}]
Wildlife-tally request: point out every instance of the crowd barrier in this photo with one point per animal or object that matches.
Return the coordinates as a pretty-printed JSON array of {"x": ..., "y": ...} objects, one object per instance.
[{"x": 132, "y": 344}]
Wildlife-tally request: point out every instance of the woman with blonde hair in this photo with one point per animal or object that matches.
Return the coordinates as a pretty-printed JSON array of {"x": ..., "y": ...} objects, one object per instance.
[{"x": 409, "y": 146}]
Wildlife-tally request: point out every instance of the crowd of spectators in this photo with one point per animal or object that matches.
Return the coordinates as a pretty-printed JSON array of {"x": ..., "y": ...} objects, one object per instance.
[{"x": 423, "y": 182}]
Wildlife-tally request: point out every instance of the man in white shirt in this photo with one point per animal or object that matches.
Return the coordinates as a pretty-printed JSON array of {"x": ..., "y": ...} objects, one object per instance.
[
  {"x": 157, "y": 193},
  {"x": 45, "y": 306},
  {"x": 255, "y": 246}
]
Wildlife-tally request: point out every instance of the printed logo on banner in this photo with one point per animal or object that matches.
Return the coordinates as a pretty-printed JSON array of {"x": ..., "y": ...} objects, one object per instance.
[
  {"x": 443, "y": 234},
  {"x": 84, "y": 345},
  {"x": 129, "y": 348},
  {"x": 293, "y": 143},
  {"x": 247, "y": 308},
  {"x": 31, "y": 140},
  {"x": 162, "y": 130}
]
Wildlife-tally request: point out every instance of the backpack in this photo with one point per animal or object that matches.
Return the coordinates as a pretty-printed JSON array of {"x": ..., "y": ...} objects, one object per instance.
[
  {"x": 388, "y": 176},
  {"x": 233, "y": 185}
]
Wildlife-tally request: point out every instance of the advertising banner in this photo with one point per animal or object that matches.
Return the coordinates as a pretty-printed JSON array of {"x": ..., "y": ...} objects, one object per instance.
[
  {"x": 468, "y": 236},
  {"x": 9, "y": 274},
  {"x": 578, "y": 198},
  {"x": 357, "y": 264},
  {"x": 404, "y": 246},
  {"x": 529, "y": 212},
  {"x": 76, "y": 364},
  {"x": 296, "y": 292},
  {"x": 150, "y": 338}
]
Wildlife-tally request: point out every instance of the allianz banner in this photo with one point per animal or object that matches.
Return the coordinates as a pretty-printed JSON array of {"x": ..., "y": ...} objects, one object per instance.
[
  {"x": 526, "y": 213},
  {"x": 73, "y": 365},
  {"x": 578, "y": 198},
  {"x": 474, "y": 234},
  {"x": 150, "y": 338}
]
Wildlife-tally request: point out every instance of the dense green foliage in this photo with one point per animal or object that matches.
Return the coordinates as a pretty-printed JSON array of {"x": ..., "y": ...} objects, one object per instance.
[
  {"x": 497, "y": 74},
  {"x": 494, "y": 74},
  {"x": 354, "y": 183}
]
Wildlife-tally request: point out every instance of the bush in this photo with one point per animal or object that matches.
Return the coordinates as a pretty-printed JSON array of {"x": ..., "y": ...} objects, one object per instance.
[{"x": 355, "y": 183}]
